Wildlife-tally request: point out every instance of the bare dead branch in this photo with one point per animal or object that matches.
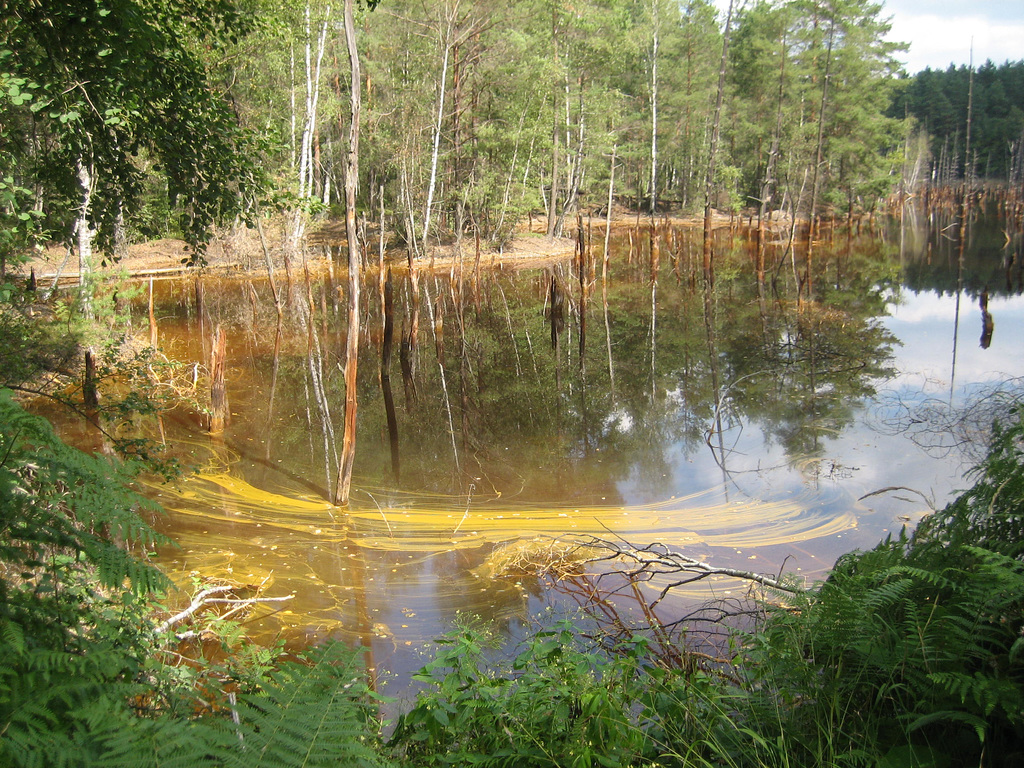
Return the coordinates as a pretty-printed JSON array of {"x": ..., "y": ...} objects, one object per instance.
[
  {"x": 657, "y": 560},
  {"x": 208, "y": 597}
]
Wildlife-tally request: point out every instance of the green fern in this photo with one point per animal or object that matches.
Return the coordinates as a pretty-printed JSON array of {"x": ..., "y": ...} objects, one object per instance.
[
  {"x": 309, "y": 716},
  {"x": 306, "y": 715},
  {"x": 71, "y": 614}
]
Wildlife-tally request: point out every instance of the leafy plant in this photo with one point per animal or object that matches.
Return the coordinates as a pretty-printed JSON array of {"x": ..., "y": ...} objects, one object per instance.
[
  {"x": 315, "y": 711},
  {"x": 557, "y": 703},
  {"x": 84, "y": 680},
  {"x": 71, "y": 592},
  {"x": 914, "y": 647}
]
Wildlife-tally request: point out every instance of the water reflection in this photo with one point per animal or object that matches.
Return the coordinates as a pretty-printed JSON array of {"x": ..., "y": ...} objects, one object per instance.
[{"x": 735, "y": 422}]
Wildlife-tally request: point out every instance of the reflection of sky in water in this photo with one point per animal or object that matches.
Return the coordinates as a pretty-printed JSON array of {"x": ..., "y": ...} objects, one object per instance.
[
  {"x": 924, "y": 322},
  {"x": 874, "y": 452},
  {"x": 395, "y": 568}
]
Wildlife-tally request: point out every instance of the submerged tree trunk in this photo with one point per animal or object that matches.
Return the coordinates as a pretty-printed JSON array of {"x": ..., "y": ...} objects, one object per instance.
[
  {"x": 604, "y": 269},
  {"x": 219, "y": 414},
  {"x": 348, "y": 449},
  {"x": 90, "y": 393},
  {"x": 385, "y": 374}
]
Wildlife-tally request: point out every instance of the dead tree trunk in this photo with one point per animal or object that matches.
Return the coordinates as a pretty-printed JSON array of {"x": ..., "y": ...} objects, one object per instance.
[
  {"x": 348, "y": 449},
  {"x": 219, "y": 414},
  {"x": 90, "y": 394},
  {"x": 385, "y": 374}
]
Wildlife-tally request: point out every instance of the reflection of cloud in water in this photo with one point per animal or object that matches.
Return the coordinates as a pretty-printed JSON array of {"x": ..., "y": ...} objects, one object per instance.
[{"x": 924, "y": 322}]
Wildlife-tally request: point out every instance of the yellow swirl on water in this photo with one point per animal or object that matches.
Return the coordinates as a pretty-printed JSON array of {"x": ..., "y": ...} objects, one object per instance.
[
  {"x": 686, "y": 521},
  {"x": 350, "y": 567}
]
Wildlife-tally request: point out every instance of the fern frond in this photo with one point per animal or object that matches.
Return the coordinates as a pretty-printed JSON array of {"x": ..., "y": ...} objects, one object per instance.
[{"x": 308, "y": 716}]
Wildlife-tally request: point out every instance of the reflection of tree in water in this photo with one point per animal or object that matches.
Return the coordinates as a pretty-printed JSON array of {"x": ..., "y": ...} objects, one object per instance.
[
  {"x": 807, "y": 376},
  {"x": 940, "y": 427}
]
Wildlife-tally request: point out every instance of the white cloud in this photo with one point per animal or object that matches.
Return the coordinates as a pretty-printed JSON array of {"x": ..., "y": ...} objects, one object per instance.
[
  {"x": 936, "y": 40},
  {"x": 940, "y": 33}
]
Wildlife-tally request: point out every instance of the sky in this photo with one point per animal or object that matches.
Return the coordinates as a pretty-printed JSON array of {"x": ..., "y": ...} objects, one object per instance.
[{"x": 940, "y": 32}]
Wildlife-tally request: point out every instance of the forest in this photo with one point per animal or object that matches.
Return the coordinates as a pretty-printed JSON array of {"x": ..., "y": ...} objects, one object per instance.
[
  {"x": 474, "y": 115},
  {"x": 938, "y": 100},
  {"x": 415, "y": 126}
]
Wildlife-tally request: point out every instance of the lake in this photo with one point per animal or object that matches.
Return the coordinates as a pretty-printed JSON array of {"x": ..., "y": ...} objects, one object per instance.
[{"x": 767, "y": 429}]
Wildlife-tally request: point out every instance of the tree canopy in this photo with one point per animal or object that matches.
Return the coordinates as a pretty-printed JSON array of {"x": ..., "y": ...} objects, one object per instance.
[
  {"x": 476, "y": 113},
  {"x": 115, "y": 96}
]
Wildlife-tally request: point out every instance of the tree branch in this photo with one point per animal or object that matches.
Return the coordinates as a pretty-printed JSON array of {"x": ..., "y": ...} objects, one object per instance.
[
  {"x": 657, "y": 559},
  {"x": 208, "y": 597}
]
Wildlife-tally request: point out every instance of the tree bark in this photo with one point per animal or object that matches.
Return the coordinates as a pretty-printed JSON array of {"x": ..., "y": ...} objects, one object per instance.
[
  {"x": 219, "y": 414},
  {"x": 654, "y": 110},
  {"x": 553, "y": 195},
  {"x": 344, "y": 484},
  {"x": 86, "y": 233},
  {"x": 446, "y": 44},
  {"x": 709, "y": 185},
  {"x": 819, "y": 155}
]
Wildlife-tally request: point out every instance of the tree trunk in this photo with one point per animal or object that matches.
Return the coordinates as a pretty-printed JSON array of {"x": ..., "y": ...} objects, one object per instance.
[
  {"x": 553, "y": 195},
  {"x": 446, "y": 44},
  {"x": 965, "y": 201},
  {"x": 709, "y": 184},
  {"x": 818, "y": 156},
  {"x": 654, "y": 110},
  {"x": 219, "y": 414},
  {"x": 86, "y": 233},
  {"x": 348, "y": 450}
]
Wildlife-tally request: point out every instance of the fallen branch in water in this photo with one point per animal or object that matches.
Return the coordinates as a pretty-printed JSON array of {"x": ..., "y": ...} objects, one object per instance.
[
  {"x": 657, "y": 560},
  {"x": 211, "y": 596},
  {"x": 889, "y": 488}
]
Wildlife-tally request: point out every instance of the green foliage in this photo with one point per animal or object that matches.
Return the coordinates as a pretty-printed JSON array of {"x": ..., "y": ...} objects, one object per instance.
[
  {"x": 319, "y": 715},
  {"x": 71, "y": 608},
  {"x": 66, "y": 519},
  {"x": 557, "y": 703},
  {"x": 910, "y": 654},
  {"x": 990, "y": 514},
  {"x": 902, "y": 647},
  {"x": 916, "y": 644},
  {"x": 34, "y": 346},
  {"x": 93, "y": 85},
  {"x": 309, "y": 713},
  {"x": 84, "y": 680}
]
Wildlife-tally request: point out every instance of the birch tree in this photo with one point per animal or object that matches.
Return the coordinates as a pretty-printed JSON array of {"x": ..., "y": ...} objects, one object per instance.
[{"x": 348, "y": 450}]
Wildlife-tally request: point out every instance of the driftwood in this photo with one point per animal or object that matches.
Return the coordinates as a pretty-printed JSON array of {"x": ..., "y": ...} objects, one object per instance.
[
  {"x": 214, "y": 596},
  {"x": 644, "y": 563}
]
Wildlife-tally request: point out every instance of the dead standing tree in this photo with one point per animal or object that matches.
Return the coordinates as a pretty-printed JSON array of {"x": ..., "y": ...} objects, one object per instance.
[
  {"x": 219, "y": 413},
  {"x": 348, "y": 449},
  {"x": 709, "y": 185}
]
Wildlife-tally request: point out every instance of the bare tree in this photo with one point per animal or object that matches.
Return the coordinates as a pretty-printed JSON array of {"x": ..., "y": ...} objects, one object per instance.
[
  {"x": 348, "y": 449},
  {"x": 709, "y": 184}
]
